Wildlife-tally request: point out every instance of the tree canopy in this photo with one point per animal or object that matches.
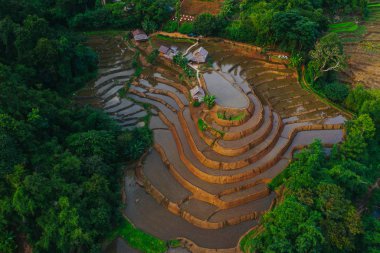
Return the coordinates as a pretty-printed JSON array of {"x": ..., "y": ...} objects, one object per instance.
[{"x": 60, "y": 163}]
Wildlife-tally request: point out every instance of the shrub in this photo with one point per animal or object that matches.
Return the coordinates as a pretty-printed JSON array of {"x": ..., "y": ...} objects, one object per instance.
[
  {"x": 186, "y": 28},
  {"x": 149, "y": 25},
  {"x": 170, "y": 26},
  {"x": 196, "y": 103},
  {"x": 152, "y": 57},
  {"x": 136, "y": 142},
  {"x": 295, "y": 60},
  {"x": 336, "y": 91},
  {"x": 206, "y": 24},
  {"x": 181, "y": 61},
  {"x": 356, "y": 98},
  {"x": 202, "y": 125},
  {"x": 209, "y": 100}
]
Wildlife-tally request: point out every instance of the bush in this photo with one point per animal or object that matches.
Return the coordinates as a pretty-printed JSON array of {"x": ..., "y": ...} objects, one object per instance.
[
  {"x": 149, "y": 26},
  {"x": 295, "y": 60},
  {"x": 181, "y": 61},
  {"x": 196, "y": 103},
  {"x": 170, "y": 26},
  {"x": 336, "y": 91},
  {"x": 356, "y": 98},
  {"x": 152, "y": 57},
  {"x": 136, "y": 142},
  {"x": 186, "y": 28},
  {"x": 202, "y": 125},
  {"x": 209, "y": 101},
  {"x": 206, "y": 24}
]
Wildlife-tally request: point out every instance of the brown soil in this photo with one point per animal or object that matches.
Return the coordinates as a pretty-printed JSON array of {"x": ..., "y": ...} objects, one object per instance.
[{"x": 196, "y": 7}]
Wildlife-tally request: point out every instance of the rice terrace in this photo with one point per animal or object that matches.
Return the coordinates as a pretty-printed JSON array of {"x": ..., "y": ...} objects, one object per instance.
[
  {"x": 362, "y": 45},
  {"x": 179, "y": 126}
]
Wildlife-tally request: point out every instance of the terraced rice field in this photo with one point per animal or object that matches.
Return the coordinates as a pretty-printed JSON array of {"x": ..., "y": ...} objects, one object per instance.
[
  {"x": 363, "y": 48},
  {"x": 206, "y": 186}
]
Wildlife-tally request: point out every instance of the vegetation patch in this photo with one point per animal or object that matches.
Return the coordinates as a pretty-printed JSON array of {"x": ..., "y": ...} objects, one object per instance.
[
  {"x": 181, "y": 61},
  {"x": 236, "y": 117},
  {"x": 245, "y": 243},
  {"x": 176, "y": 40},
  {"x": 209, "y": 100},
  {"x": 346, "y": 27},
  {"x": 202, "y": 125},
  {"x": 140, "y": 240}
]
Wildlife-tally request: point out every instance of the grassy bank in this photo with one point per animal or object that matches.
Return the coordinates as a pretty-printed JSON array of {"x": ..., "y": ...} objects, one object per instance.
[
  {"x": 172, "y": 39},
  {"x": 140, "y": 240},
  {"x": 344, "y": 27},
  {"x": 306, "y": 86}
]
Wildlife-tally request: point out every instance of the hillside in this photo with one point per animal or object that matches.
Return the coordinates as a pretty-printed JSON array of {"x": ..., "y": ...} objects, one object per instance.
[{"x": 362, "y": 46}]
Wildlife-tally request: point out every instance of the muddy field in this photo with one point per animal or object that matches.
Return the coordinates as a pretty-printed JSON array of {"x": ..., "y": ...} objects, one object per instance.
[{"x": 196, "y": 7}]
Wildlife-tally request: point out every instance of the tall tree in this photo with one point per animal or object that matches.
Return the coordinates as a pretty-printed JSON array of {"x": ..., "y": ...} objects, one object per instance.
[{"x": 328, "y": 55}]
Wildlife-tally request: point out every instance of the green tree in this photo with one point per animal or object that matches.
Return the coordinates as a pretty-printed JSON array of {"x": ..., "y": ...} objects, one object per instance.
[
  {"x": 341, "y": 221},
  {"x": 98, "y": 143},
  {"x": 336, "y": 91},
  {"x": 359, "y": 132},
  {"x": 356, "y": 98},
  {"x": 294, "y": 32},
  {"x": 8, "y": 31},
  {"x": 206, "y": 24},
  {"x": 286, "y": 232},
  {"x": 328, "y": 55},
  {"x": 32, "y": 30},
  {"x": 186, "y": 28}
]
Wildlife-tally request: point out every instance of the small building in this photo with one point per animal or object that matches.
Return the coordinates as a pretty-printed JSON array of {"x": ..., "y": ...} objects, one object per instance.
[
  {"x": 197, "y": 93},
  {"x": 163, "y": 50},
  {"x": 168, "y": 52},
  {"x": 139, "y": 35},
  {"x": 198, "y": 56}
]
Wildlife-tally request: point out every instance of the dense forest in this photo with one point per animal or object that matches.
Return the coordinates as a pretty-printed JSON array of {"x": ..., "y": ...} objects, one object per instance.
[
  {"x": 61, "y": 164},
  {"x": 325, "y": 195}
]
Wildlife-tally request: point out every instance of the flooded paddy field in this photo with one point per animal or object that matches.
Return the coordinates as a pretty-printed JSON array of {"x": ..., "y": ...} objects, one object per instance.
[{"x": 205, "y": 186}]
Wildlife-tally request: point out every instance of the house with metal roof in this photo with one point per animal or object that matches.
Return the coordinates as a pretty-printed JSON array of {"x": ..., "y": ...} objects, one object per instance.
[
  {"x": 198, "y": 56},
  {"x": 168, "y": 52},
  {"x": 197, "y": 93},
  {"x": 139, "y": 35}
]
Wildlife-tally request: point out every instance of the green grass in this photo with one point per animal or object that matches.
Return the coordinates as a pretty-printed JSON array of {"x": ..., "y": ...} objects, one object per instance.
[
  {"x": 202, "y": 125},
  {"x": 344, "y": 27},
  {"x": 373, "y": 5},
  {"x": 245, "y": 243},
  {"x": 140, "y": 240},
  {"x": 237, "y": 117},
  {"x": 167, "y": 38},
  {"x": 340, "y": 25}
]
